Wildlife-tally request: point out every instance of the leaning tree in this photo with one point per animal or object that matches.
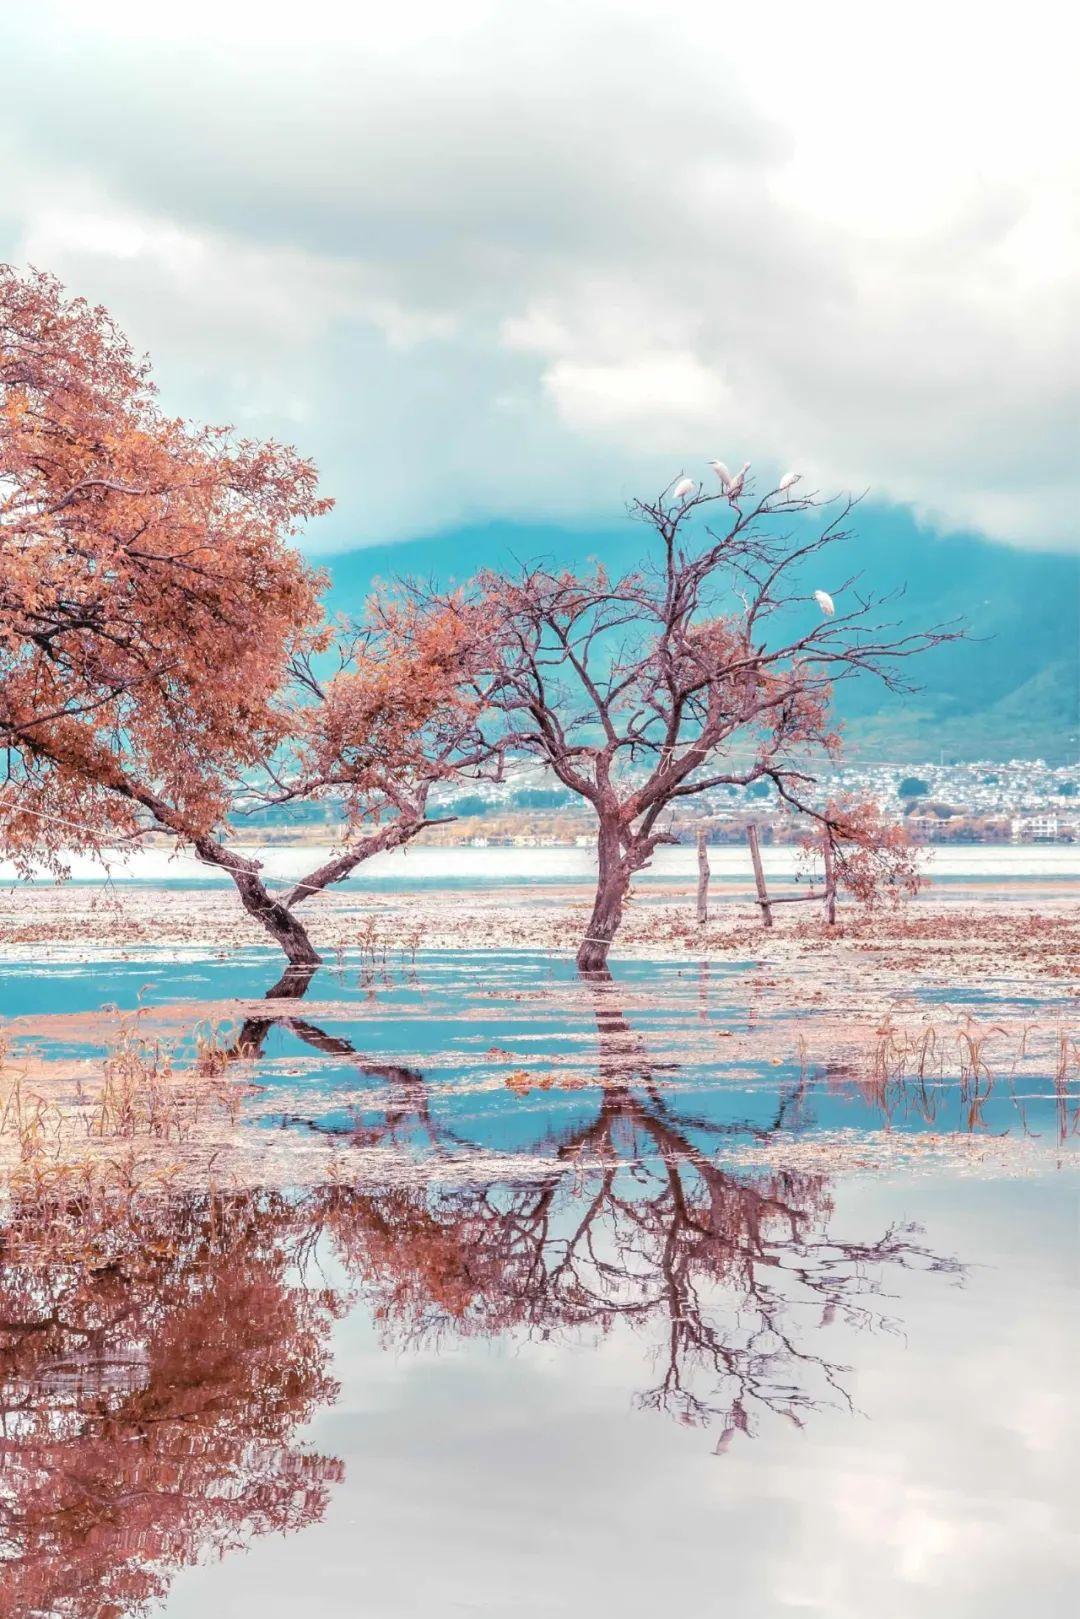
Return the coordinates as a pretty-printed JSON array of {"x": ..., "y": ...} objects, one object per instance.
[
  {"x": 162, "y": 648},
  {"x": 149, "y": 600},
  {"x": 710, "y": 664},
  {"x": 376, "y": 724}
]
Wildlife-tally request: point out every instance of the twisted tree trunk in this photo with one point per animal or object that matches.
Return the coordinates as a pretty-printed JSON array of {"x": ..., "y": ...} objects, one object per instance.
[{"x": 274, "y": 916}]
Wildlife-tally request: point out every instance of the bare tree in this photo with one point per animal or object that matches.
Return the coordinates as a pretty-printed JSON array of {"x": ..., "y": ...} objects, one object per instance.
[{"x": 700, "y": 668}]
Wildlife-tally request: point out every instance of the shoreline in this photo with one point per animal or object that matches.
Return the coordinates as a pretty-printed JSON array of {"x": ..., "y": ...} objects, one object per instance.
[{"x": 433, "y": 867}]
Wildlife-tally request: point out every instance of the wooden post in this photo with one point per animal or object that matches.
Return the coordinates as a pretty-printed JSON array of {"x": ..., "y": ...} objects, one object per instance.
[
  {"x": 759, "y": 876},
  {"x": 830, "y": 884},
  {"x": 702, "y": 877}
]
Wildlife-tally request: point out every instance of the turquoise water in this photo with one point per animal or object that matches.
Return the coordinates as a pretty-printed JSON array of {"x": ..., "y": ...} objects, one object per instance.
[
  {"x": 603, "y": 1309},
  {"x": 441, "y": 1015}
]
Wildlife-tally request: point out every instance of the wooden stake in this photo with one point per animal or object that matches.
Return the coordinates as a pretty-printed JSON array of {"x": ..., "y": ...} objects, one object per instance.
[
  {"x": 759, "y": 876},
  {"x": 702, "y": 877},
  {"x": 830, "y": 884}
]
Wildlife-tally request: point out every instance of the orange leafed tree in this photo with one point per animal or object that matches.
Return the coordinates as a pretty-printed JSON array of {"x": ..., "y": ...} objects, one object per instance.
[
  {"x": 162, "y": 644},
  {"x": 399, "y": 714},
  {"x": 149, "y": 600},
  {"x": 711, "y": 664},
  {"x": 868, "y": 855}
]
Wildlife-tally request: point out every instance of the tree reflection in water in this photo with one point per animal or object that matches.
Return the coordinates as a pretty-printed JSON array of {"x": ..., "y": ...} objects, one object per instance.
[
  {"x": 728, "y": 1275},
  {"x": 158, "y": 1355},
  {"x": 156, "y": 1361}
]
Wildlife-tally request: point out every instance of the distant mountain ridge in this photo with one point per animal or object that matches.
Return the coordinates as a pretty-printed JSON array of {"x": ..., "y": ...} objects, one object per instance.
[{"x": 1012, "y": 690}]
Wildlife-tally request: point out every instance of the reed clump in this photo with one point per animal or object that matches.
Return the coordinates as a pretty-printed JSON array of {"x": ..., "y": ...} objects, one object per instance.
[
  {"x": 142, "y": 1098},
  {"x": 917, "y": 1067}
]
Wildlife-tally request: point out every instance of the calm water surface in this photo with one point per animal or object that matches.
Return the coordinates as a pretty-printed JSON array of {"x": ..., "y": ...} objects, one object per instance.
[
  {"x": 656, "y": 1325},
  {"x": 1007, "y": 870}
]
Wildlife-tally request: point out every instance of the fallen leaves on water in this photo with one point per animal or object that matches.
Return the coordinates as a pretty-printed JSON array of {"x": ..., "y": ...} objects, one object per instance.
[{"x": 521, "y": 1082}]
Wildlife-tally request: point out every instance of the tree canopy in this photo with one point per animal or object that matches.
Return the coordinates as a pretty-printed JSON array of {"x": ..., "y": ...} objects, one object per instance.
[{"x": 165, "y": 659}]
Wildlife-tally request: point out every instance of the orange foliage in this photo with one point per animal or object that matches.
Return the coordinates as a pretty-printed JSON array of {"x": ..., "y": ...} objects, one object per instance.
[
  {"x": 403, "y": 712},
  {"x": 873, "y": 858},
  {"x": 155, "y": 1364},
  {"x": 149, "y": 599}
]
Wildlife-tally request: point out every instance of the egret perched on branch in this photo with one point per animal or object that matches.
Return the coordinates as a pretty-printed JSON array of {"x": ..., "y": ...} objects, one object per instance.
[
  {"x": 735, "y": 487},
  {"x": 731, "y": 484},
  {"x": 684, "y": 487},
  {"x": 825, "y": 602},
  {"x": 787, "y": 480}
]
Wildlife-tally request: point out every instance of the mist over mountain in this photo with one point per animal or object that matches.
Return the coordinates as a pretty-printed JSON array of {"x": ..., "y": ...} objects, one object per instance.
[{"x": 1011, "y": 689}]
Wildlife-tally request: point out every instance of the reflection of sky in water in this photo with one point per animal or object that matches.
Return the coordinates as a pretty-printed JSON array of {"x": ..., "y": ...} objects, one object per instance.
[
  {"x": 514, "y": 1476},
  {"x": 460, "y": 1020}
]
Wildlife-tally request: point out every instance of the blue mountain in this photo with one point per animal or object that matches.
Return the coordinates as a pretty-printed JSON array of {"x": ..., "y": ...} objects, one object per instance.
[{"x": 1011, "y": 689}]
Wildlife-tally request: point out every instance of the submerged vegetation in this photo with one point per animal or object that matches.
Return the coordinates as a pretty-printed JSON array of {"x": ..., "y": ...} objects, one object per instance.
[{"x": 161, "y": 1344}]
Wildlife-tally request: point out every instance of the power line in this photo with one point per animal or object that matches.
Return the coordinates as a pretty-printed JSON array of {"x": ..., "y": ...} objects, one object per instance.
[{"x": 219, "y": 865}]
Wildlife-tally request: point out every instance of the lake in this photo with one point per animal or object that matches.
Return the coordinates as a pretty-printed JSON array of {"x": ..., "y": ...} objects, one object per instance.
[
  {"x": 514, "y": 1293},
  {"x": 423, "y": 867}
]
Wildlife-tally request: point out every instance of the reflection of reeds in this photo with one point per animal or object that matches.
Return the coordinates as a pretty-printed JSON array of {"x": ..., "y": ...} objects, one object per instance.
[
  {"x": 1068, "y": 1061},
  {"x": 911, "y": 1068},
  {"x": 67, "y": 1211}
]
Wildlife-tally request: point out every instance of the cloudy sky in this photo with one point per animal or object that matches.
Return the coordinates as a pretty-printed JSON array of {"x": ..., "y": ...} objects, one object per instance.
[{"x": 496, "y": 263}]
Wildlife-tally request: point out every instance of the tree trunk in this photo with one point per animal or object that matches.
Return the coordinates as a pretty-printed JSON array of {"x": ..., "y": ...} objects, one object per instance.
[
  {"x": 275, "y": 917},
  {"x": 612, "y": 883},
  {"x": 702, "y": 878},
  {"x": 292, "y": 985}
]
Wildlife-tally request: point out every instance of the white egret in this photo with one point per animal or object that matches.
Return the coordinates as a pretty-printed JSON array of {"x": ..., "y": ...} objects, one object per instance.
[
  {"x": 825, "y": 602},
  {"x": 722, "y": 472},
  {"x": 787, "y": 480},
  {"x": 684, "y": 487},
  {"x": 735, "y": 487}
]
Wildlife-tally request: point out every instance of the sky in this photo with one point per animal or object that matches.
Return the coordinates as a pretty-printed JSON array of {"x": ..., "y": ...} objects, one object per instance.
[{"x": 496, "y": 263}]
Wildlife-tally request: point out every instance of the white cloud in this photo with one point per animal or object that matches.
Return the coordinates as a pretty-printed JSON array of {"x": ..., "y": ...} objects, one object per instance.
[
  {"x": 669, "y": 392},
  {"x": 510, "y": 263}
]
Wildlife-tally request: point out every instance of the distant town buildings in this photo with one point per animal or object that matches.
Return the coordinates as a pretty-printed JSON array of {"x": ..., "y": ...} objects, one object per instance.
[
  {"x": 1036, "y": 829},
  {"x": 1022, "y": 801}
]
